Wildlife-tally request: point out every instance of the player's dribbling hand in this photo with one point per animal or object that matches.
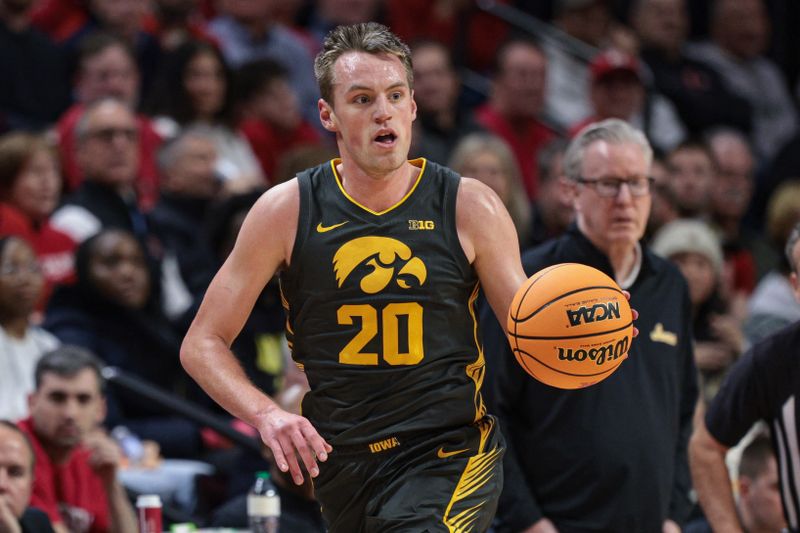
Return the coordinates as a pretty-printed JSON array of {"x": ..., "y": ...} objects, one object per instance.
[
  {"x": 288, "y": 436},
  {"x": 634, "y": 312}
]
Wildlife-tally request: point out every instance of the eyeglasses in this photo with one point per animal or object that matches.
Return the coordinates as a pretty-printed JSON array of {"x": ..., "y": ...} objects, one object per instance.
[
  {"x": 107, "y": 135},
  {"x": 610, "y": 187}
]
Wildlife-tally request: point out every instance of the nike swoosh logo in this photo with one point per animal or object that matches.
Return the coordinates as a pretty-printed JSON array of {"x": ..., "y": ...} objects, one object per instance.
[
  {"x": 323, "y": 229},
  {"x": 444, "y": 455}
]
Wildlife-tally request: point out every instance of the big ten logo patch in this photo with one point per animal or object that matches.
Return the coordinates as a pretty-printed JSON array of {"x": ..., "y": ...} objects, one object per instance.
[{"x": 421, "y": 225}]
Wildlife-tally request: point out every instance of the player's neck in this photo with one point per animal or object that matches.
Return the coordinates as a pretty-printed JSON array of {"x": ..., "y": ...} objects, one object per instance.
[{"x": 378, "y": 192}]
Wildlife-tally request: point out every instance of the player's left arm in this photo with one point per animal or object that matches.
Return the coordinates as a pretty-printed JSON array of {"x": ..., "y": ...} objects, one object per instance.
[{"x": 490, "y": 242}]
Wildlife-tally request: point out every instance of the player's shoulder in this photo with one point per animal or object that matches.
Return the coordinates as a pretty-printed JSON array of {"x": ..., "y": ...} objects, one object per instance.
[
  {"x": 278, "y": 200},
  {"x": 477, "y": 199}
]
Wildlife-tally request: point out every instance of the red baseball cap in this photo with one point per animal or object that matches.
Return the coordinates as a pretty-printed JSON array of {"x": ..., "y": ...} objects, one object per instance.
[{"x": 612, "y": 61}]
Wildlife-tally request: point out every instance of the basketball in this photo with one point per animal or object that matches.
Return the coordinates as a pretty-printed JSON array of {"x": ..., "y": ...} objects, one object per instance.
[{"x": 570, "y": 326}]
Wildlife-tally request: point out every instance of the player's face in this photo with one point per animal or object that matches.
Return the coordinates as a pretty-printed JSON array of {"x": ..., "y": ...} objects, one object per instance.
[
  {"x": 612, "y": 222},
  {"x": 65, "y": 409},
  {"x": 371, "y": 113},
  {"x": 16, "y": 475}
]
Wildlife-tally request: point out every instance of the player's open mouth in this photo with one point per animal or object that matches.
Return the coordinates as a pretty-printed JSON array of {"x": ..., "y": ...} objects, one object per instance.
[{"x": 386, "y": 139}]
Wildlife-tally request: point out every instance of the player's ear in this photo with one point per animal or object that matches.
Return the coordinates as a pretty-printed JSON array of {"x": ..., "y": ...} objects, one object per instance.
[
  {"x": 327, "y": 116},
  {"x": 413, "y": 107}
]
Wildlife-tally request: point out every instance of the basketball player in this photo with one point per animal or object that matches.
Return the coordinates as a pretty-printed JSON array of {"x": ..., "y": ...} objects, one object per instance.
[{"x": 380, "y": 259}]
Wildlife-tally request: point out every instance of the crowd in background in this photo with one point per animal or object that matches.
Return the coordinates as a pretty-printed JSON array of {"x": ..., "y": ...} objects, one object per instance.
[{"x": 137, "y": 134}]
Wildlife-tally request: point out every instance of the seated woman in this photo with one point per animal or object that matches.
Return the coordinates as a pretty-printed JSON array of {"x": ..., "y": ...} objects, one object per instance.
[
  {"x": 21, "y": 343},
  {"x": 30, "y": 189},
  {"x": 194, "y": 88},
  {"x": 718, "y": 335},
  {"x": 113, "y": 311}
]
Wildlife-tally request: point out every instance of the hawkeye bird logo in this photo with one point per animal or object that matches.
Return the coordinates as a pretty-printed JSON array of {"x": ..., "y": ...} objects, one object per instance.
[{"x": 381, "y": 260}]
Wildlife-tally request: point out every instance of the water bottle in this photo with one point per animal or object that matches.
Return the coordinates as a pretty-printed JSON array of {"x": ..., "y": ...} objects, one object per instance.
[{"x": 263, "y": 505}]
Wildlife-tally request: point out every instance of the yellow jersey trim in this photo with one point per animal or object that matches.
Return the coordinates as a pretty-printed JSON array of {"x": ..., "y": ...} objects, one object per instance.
[{"x": 420, "y": 163}]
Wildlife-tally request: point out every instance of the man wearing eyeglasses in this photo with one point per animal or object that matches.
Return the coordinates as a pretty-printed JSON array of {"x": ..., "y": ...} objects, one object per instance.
[
  {"x": 108, "y": 155},
  {"x": 611, "y": 457}
]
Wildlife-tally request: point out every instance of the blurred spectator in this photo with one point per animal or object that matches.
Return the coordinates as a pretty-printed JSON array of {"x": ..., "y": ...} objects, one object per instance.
[
  {"x": 272, "y": 121},
  {"x": 106, "y": 69},
  {"x": 567, "y": 91},
  {"x": 189, "y": 183},
  {"x": 746, "y": 250},
  {"x": 16, "y": 484},
  {"x": 122, "y": 19},
  {"x": 35, "y": 90},
  {"x": 762, "y": 386},
  {"x": 473, "y": 36},
  {"x": 113, "y": 310},
  {"x": 759, "y": 504},
  {"x": 618, "y": 91},
  {"x": 771, "y": 306},
  {"x": 552, "y": 211},
  {"x": 488, "y": 159},
  {"x": 30, "y": 185},
  {"x": 740, "y": 33},
  {"x": 700, "y": 95},
  {"x": 691, "y": 168},
  {"x": 514, "y": 106},
  {"x": 327, "y": 14},
  {"x": 175, "y": 22},
  {"x": 21, "y": 343},
  {"x": 107, "y": 151},
  {"x": 75, "y": 480},
  {"x": 246, "y": 31},
  {"x": 664, "y": 208},
  {"x": 441, "y": 122},
  {"x": 195, "y": 87},
  {"x": 718, "y": 338}
]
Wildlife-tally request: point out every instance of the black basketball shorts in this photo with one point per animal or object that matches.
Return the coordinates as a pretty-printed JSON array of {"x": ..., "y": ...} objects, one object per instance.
[{"x": 447, "y": 482}]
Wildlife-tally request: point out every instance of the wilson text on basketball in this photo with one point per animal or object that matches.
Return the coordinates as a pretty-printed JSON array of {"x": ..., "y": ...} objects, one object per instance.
[{"x": 599, "y": 355}]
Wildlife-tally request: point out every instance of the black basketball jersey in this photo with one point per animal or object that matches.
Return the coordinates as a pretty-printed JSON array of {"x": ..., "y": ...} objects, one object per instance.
[{"x": 381, "y": 311}]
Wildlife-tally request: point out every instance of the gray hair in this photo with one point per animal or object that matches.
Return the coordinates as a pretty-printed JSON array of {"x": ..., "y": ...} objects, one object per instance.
[
  {"x": 67, "y": 361},
  {"x": 612, "y": 131},
  {"x": 369, "y": 37},
  {"x": 82, "y": 126},
  {"x": 791, "y": 242},
  {"x": 172, "y": 149}
]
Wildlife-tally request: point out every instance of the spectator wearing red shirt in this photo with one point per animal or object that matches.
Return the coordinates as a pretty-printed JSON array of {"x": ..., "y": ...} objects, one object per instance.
[
  {"x": 107, "y": 68},
  {"x": 515, "y": 103},
  {"x": 30, "y": 188},
  {"x": 272, "y": 121},
  {"x": 75, "y": 474}
]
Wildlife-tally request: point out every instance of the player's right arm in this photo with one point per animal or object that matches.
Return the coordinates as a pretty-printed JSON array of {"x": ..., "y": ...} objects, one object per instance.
[
  {"x": 263, "y": 246},
  {"x": 711, "y": 480}
]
